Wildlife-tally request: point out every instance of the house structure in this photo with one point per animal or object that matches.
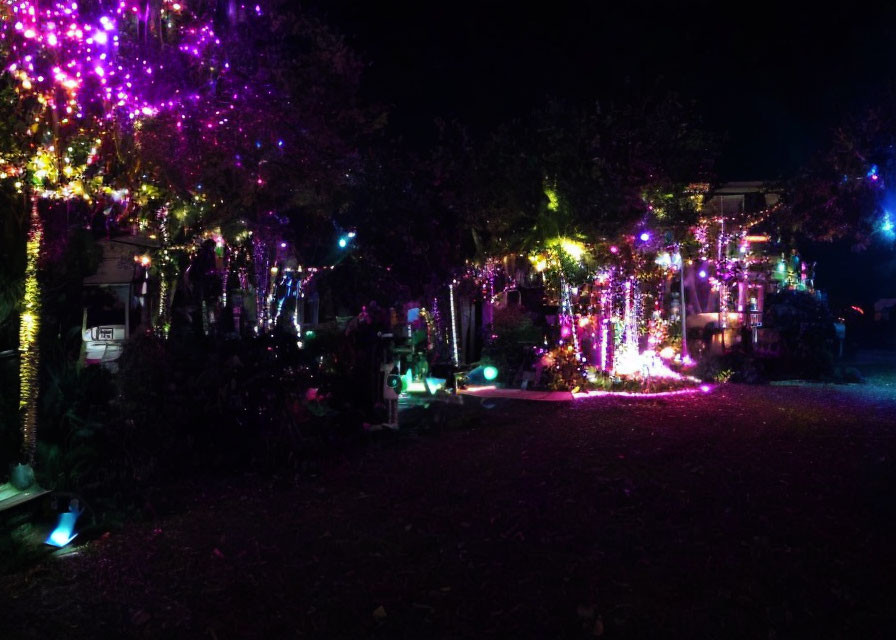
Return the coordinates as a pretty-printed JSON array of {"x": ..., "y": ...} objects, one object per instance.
[
  {"x": 116, "y": 299},
  {"x": 739, "y": 262}
]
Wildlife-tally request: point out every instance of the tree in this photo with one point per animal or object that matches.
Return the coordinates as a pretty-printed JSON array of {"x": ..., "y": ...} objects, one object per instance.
[
  {"x": 842, "y": 193},
  {"x": 269, "y": 153},
  {"x": 83, "y": 79},
  {"x": 609, "y": 170},
  {"x": 410, "y": 207}
]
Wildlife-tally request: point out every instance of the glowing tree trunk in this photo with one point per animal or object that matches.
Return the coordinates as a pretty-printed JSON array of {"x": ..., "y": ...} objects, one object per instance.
[
  {"x": 685, "y": 356},
  {"x": 567, "y": 317},
  {"x": 632, "y": 315},
  {"x": 262, "y": 262},
  {"x": 627, "y": 358},
  {"x": 455, "y": 357},
  {"x": 29, "y": 325},
  {"x": 162, "y": 322},
  {"x": 606, "y": 320},
  {"x": 488, "y": 294},
  {"x": 721, "y": 270}
]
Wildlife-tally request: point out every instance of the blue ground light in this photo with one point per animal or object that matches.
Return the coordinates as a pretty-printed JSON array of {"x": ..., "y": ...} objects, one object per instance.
[{"x": 65, "y": 529}]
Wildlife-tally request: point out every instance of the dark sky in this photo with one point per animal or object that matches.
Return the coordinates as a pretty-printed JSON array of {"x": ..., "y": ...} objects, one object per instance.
[{"x": 774, "y": 80}]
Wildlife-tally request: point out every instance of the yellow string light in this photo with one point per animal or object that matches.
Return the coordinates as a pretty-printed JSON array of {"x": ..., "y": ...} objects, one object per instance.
[{"x": 29, "y": 326}]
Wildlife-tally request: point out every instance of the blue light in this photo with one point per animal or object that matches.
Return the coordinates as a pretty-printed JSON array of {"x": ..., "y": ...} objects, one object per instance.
[
  {"x": 490, "y": 373},
  {"x": 343, "y": 242},
  {"x": 434, "y": 384},
  {"x": 886, "y": 224},
  {"x": 872, "y": 172},
  {"x": 645, "y": 236},
  {"x": 64, "y": 531}
]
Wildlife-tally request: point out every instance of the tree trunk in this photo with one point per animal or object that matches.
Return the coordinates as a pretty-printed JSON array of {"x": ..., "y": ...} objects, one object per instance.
[{"x": 29, "y": 326}]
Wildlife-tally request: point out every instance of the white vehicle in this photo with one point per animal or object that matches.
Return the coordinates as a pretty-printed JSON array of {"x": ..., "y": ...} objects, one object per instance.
[
  {"x": 115, "y": 300},
  {"x": 105, "y": 323}
]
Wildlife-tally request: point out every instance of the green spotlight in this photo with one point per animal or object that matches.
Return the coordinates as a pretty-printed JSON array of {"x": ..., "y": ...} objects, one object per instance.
[
  {"x": 490, "y": 373},
  {"x": 394, "y": 382}
]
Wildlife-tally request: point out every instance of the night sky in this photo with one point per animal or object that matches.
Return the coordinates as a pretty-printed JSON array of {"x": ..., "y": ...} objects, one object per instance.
[{"x": 773, "y": 81}]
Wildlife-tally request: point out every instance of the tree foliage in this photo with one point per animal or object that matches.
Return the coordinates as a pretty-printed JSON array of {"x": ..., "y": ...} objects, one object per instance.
[
  {"x": 843, "y": 191},
  {"x": 279, "y": 141},
  {"x": 603, "y": 164}
]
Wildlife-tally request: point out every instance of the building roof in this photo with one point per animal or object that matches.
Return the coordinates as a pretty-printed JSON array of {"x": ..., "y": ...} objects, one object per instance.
[{"x": 117, "y": 265}]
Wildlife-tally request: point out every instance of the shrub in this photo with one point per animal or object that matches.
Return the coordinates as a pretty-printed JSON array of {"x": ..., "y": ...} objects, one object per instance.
[
  {"x": 806, "y": 328},
  {"x": 735, "y": 366},
  {"x": 709, "y": 367},
  {"x": 601, "y": 381},
  {"x": 75, "y": 417},
  {"x": 10, "y": 432},
  {"x": 564, "y": 371}
]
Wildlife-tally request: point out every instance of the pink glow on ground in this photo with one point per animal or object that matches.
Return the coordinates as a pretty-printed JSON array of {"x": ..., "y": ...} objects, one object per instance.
[
  {"x": 557, "y": 396},
  {"x": 658, "y": 394}
]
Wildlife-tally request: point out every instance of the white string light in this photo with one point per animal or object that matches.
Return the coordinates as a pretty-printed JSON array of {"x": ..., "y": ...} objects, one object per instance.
[{"x": 454, "y": 352}]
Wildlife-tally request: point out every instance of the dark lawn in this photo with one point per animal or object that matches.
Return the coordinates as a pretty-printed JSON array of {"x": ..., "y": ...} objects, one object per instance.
[{"x": 751, "y": 512}]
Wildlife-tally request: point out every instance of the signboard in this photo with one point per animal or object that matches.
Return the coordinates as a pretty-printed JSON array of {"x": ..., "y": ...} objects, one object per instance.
[{"x": 104, "y": 333}]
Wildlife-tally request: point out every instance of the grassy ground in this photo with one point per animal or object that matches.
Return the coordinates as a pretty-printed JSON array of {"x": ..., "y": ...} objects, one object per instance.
[{"x": 750, "y": 512}]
